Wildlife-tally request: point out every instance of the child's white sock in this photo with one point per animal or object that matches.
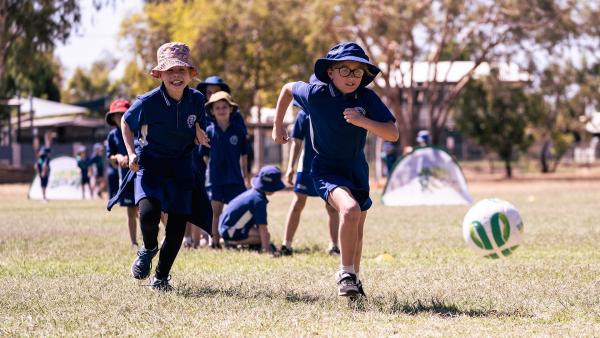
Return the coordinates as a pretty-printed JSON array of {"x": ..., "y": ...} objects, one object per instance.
[
  {"x": 357, "y": 279},
  {"x": 347, "y": 268},
  {"x": 287, "y": 244},
  {"x": 332, "y": 245}
]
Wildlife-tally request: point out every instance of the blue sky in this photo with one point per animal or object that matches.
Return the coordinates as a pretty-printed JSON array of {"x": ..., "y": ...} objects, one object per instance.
[{"x": 96, "y": 36}]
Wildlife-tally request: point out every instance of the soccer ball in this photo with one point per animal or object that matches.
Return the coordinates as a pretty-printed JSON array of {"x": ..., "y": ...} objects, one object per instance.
[{"x": 493, "y": 228}]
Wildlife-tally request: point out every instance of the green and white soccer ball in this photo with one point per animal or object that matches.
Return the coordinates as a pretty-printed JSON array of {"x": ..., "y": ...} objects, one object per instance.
[{"x": 493, "y": 228}]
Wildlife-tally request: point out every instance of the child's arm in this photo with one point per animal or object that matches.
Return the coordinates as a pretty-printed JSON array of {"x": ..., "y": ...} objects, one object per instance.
[
  {"x": 265, "y": 238},
  {"x": 386, "y": 130},
  {"x": 295, "y": 151},
  {"x": 285, "y": 97},
  {"x": 201, "y": 137},
  {"x": 128, "y": 138},
  {"x": 244, "y": 166}
]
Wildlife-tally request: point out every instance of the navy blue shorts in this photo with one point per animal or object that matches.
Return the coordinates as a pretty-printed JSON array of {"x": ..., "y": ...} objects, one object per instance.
[
  {"x": 85, "y": 180},
  {"x": 354, "y": 175},
  {"x": 225, "y": 193},
  {"x": 305, "y": 184},
  {"x": 113, "y": 183},
  {"x": 44, "y": 181},
  {"x": 128, "y": 197},
  {"x": 233, "y": 234}
]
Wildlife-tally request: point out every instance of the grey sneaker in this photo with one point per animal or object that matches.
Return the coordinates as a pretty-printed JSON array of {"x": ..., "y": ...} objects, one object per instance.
[
  {"x": 334, "y": 251},
  {"x": 159, "y": 284},
  {"x": 143, "y": 263},
  {"x": 346, "y": 283}
]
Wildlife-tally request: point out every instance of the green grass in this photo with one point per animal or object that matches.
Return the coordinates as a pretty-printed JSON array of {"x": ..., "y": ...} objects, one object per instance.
[{"x": 64, "y": 271}]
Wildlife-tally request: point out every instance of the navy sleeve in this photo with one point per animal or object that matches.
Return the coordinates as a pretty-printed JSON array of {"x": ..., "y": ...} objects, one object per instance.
[
  {"x": 238, "y": 119},
  {"x": 111, "y": 147},
  {"x": 298, "y": 132},
  {"x": 377, "y": 110},
  {"x": 134, "y": 116},
  {"x": 242, "y": 140},
  {"x": 301, "y": 92},
  {"x": 201, "y": 114},
  {"x": 260, "y": 212}
]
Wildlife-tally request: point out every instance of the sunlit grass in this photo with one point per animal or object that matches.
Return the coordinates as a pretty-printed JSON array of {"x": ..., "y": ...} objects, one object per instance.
[{"x": 64, "y": 270}]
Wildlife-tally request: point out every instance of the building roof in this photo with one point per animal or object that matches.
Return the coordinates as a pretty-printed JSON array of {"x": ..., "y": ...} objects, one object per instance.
[{"x": 44, "y": 108}]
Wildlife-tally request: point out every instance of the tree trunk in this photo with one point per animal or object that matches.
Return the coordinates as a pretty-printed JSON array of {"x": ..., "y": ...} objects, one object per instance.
[
  {"x": 508, "y": 167},
  {"x": 544, "y": 157}
]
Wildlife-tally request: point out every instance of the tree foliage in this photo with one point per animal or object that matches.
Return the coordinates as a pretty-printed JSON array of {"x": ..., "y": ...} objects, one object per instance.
[
  {"x": 27, "y": 28},
  {"x": 499, "y": 117},
  {"x": 91, "y": 84}
]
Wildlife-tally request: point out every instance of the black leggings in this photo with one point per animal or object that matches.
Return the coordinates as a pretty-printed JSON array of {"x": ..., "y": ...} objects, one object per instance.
[{"x": 149, "y": 218}]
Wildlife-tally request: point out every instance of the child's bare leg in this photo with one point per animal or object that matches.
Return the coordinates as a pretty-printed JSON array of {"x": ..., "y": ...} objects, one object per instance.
[
  {"x": 349, "y": 211},
  {"x": 293, "y": 217},
  {"x": 132, "y": 223},
  {"x": 334, "y": 223},
  {"x": 359, "y": 241},
  {"x": 253, "y": 238},
  {"x": 217, "y": 208}
]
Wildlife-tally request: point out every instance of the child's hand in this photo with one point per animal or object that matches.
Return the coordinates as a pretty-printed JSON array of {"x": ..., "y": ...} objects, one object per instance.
[
  {"x": 122, "y": 160},
  {"x": 133, "y": 163},
  {"x": 201, "y": 137},
  {"x": 354, "y": 116},
  {"x": 289, "y": 176},
  {"x": 280, "y": 135}
]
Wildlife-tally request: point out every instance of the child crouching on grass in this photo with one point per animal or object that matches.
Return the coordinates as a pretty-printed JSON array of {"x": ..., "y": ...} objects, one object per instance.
[
  {"x": 341, "y": 112},
  {"x": 244, "y": 221}
]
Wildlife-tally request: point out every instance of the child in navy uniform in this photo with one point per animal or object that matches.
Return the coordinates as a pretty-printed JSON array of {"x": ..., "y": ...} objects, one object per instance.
[
  {"x": 42, "y": 166},
  {"x": 116, "y": 152},
  {"x": 213, "y": 84},
  {"x": 341, "y": 113},
  {"x": 97, "y": 163},
  {"x": 244, "y": 221},
  {"x": 227, "y": 174},
  {"x": 304, "y": 185},
  {"x": 84, "y": 164},
  {"x": 165, "y": 122}
]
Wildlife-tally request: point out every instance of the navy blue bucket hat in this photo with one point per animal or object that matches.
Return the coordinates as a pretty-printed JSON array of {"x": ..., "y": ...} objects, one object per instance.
[
  {"x": 345, "y": 51},
  {"x": 215, "y": 81},
  {"x": 268, "y": 179}
]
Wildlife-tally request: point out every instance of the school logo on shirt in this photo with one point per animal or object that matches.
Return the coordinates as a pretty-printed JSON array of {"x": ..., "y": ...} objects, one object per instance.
[
  {"x": 190, "y": 121},
  {"x": 233, "y": 140}
]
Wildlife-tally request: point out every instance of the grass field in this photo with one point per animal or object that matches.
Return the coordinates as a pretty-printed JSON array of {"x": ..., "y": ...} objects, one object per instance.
[{"x": 64, "y": 271}]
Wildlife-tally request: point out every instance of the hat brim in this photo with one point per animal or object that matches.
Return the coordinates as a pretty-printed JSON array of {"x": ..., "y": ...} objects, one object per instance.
[
  {"x": 323, "y": 64},
  {"x": 170, "y": 63},
  {"x": 273, "y": 187},
  {"x": 201, "y": 87}
]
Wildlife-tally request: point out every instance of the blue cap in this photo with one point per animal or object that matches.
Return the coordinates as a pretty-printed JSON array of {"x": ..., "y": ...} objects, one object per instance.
[
  {"x": 345, "y": 51},
  {"x": 268, "y": 179},
  {"x": 215, "y": 81}
]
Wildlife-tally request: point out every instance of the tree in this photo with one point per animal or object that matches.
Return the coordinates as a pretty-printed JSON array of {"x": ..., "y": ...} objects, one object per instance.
[
  {"x": 499, "y": 116},
  {"x": 399, "y": 33},
  {"x": 28, "y": 27},
  {"x": 87, "y": 85}
]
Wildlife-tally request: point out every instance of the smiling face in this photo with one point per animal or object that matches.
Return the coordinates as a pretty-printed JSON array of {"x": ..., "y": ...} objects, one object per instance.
[
  {"x": 221, "y": 110},
  {"x": 175, "y": 80},
  {"x": 347, "y": 84}
]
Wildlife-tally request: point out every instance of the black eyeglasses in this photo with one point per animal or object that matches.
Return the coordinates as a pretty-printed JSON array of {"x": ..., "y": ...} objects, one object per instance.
[{"x": 346, "y": 72}]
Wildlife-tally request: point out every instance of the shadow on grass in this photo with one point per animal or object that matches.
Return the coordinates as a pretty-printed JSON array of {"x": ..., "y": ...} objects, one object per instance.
[
  {"x": 244, "y": 293},
  {"x": 394, "y": 305}
]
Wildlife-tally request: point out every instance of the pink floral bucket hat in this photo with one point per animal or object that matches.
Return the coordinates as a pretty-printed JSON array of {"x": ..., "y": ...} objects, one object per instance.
[{"x": 173, "y": 54}]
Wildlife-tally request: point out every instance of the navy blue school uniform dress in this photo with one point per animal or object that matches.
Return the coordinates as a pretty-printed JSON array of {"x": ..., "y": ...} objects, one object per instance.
[
  {"x": 304, "y": 182},
  {"x": 164, "y": 132},
  {"x": 339, "y": 146},
  {"x": 116, "y": 145},
  {"x": 225, "y": 179},
  {"x": 243, "y": 213},
  {"x": 98, "y": 163},
  {"x": 201, "y": 209},
  {"x": 84, "y": 165}
]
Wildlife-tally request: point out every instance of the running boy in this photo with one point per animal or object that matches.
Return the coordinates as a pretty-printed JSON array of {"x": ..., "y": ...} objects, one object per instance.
[
  {"x": 244, "y": 221},
  {"x": 227, "y": 175},
  {"x": 97, "y": 163},
  {"x": 42, "y": 166},
  {"x": 164, "y": 122},
  {"x": 117, "y": 155},
  {"x": 341, "y": 113},
  {"x": 304, "y": 185},
  {"x": 85, "y": 171}
]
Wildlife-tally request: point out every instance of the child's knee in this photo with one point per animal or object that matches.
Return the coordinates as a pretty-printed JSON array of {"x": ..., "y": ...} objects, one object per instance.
[{"x": 350, "y": 211}]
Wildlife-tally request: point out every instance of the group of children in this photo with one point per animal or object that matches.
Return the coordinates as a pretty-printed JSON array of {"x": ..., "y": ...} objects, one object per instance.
[{"x": 169, "y": 136}]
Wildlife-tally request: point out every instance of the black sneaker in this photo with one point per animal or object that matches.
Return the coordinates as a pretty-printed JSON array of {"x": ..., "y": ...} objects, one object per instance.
[
  {"x": 143, "y": 263},
  {"x": 163, "y": 284},
  {"x": 334, "y": 251},
  {"x": 346, "y": 283},
  {"x": 360, "y": 289},
  {"x": 286, "y": 251}
]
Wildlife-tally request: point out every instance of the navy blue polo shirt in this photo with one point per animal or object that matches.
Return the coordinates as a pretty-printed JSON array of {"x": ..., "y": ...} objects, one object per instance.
[
  {"x": 301, "y": 131},
  {"x": 226, "y": 148},
  {"x": 164, "y": 128},
  {"x": 244, "y": 211},
  {"x": 116, "y": 145},
  {"x": 333, "y": 138}
]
